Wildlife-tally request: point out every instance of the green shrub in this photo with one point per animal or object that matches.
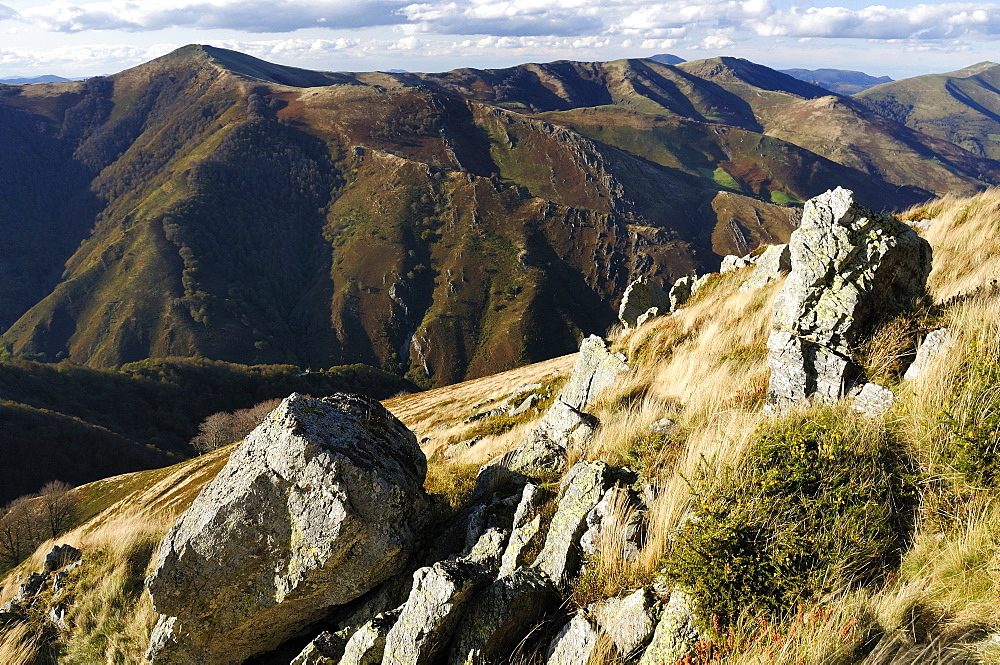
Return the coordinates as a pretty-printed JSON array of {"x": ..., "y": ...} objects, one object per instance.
[
  {"x": 972, "y": 411},
  {"x": 821, "y": 501}
]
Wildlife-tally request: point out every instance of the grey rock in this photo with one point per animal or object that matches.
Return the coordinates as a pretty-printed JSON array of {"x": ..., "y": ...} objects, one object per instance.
[
  {"x": 566, "y": 423},
  {"x": 872, "y": 400},
  {"x": 600, "y": 519},
  {"x": 774, "y": 262},
  {"x": 525, "y": 405},
  {"x": 640, "y": 296},
  {"x": 662, "y": 426},
  {"x": 320, "y": 503},
  {"x": 501, "y": 616},
  {"x": 489, "y": 549},
  {"x": 935, "y": 344},
  {"x": 460, "y": 447},
  {"x": 367, "y": 645},
  {"x": 848, "y": 263},
  {"x": 526, "y": 525},
  {"x": 59, "y": 579},
  {"x": 731, "y": 263},
  {"x": 582, "y": 488},
  {"x": 432, "y": 611},
  {"x": 628, "y": 621},
  {"x": 595, "y": 369},
  {"x": 326, "y": 649},
  {"x": 676, "y": 632},
  {"x": 31, "y": 587},
  {"x": 574, "y": 644},
  {"x": 650, "y": 313},
  {"x": 59, "y": 556},
  {"x": 681, "y": 291}
]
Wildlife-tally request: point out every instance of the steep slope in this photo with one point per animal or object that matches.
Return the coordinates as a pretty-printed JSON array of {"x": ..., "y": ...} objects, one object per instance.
[
  {"x": 962, "y": 107},
  {"x": 256, "y": 213},
  {"x": 847, "y": 132},
  {"x": 394, "y": 222}
]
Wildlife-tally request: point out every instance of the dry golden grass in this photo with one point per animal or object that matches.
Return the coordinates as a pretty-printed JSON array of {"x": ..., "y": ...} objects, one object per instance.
[
  {"x": 966, "y": 242},
  {"x": 438, "y": 414}
]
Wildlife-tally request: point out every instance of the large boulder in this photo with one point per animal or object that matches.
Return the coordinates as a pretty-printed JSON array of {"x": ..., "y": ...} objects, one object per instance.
[
  {"x": 641, "y": 296},
  {"x": 675, "y": 634},
  {"x": 848, "y": 265},
  {"x": 320, "y": 503}
]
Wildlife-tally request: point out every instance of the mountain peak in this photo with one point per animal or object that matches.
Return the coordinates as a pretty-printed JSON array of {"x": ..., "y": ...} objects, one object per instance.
[{"x": 973, "y": 70}]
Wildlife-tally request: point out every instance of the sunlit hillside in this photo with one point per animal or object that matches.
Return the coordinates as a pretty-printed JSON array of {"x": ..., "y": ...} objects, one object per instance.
[{"x": 911, "y": 575}]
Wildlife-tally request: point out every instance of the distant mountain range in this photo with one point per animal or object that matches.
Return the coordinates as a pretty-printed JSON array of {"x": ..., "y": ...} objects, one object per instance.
[
  {"x": 21, "y": 80},
  {"x": 441, "y": 226},
  {"x": 843, "y": 81}
]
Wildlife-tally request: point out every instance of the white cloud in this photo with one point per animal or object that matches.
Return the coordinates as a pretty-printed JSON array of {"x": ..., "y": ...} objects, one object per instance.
[
  {"x": 924, "y": 21},
  {"x": 245, "y": 15}
]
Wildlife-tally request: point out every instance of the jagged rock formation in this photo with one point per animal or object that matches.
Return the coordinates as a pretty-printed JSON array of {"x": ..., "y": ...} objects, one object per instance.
[
  {"x": 848, "y": 265},
  {"x": 321, "y": 503},
  {"x": 642, "y": 300},
  {"x": 675, "y": 633},
  {"x": 775, "y": 261}
]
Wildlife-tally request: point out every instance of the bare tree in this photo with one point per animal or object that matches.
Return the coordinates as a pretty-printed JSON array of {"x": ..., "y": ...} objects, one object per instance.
[
  {"x": 56, "y": 503},
  {"x": 220, "y": 429},
  {"x": 19, "y": 533}
]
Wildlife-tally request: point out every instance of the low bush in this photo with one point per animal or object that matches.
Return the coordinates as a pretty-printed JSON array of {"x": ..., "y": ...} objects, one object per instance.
[{"x": 821, "y": 501}]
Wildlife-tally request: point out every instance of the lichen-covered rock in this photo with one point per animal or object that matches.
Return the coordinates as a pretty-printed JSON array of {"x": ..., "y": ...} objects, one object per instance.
[
  {"x": 595, "y": 369},
  {"x": 731, "y": 263},
  {"x": 935, "y": 344},
  {"x": 367, "y": 645},
  {"x": 321, "y": 503},
  {"x": 326, "y": 649},
  {"x": 774, "y": 262},
  {"x": 640, "y": 296},
  {"x": 628, "y": 621},
  {"x": 872, "y": 400},
  {"x": 574, "y": 644},
  {"x": 566, "y": 423},
  {"x": 582, "y": 488},
  {"x": 526, "y": 525},
  {"x": 675, "y": 634},
  {"x": 848, "y": 263},
  {"x": 501, "y": 616},
  {"x": 432, "y": 611},
  {"x": 619, "y": 510}
]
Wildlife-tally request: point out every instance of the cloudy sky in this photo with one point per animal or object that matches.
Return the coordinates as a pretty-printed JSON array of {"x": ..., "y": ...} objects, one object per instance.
[{"x": 76, "y": 38}]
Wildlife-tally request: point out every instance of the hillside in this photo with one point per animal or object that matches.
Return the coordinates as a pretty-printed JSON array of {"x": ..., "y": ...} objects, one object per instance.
[
  {"x": 961, "y": 106},
  {"x": 438, "y": 226},
  {"x": 893, "y": 565},
  {"x": 75, "y": 424}
]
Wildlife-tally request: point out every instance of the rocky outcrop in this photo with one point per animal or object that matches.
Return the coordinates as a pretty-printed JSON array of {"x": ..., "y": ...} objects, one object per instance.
[
  {"x": 934, "y": 345},
  {"x": 320, "y": 504},
  {"x": 675, "y": 634},
  {"x": 848, "y": 265},
  {"x": 326, "y": 649},
  {"x": 582, "y": 488},
  {"x": 501, "y": 616},
  {"x": 566, "y": 424},
  {"x": 629, "y": 622},
  {"x": 574, "y": 644},
  {"x": 432, "y": 611},
  {"x": 772, "y": 264},
  {"x": 681, "y": 291},
  {"x": 731, "y": 263},
  {"x": 525, "y": 527},
  {"x": 640, "y": 297}
]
